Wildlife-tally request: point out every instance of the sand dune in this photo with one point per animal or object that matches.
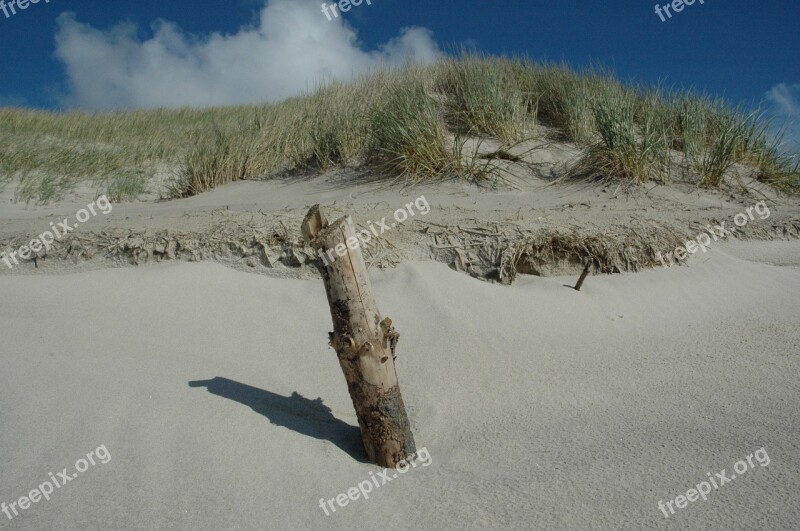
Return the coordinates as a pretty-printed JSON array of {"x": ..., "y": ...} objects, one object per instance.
[{"x": 222, "y": 407}]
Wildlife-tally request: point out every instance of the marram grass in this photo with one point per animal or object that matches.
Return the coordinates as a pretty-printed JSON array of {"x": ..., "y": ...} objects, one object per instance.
[{"x": 409, "y": 123}]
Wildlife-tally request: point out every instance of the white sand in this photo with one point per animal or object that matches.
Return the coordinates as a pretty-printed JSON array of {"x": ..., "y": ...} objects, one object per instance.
[{"x": 541, "y": 407}]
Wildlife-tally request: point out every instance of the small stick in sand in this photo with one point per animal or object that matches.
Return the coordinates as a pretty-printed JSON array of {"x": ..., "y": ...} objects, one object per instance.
[{"x": 583, "y": 275}]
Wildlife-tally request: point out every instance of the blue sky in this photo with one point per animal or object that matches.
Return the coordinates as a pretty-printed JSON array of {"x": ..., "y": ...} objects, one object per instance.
[{"x": 145, "y": 53}]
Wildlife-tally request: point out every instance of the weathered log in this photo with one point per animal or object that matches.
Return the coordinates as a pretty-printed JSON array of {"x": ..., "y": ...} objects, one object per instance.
[{"x": 364, "y": 342}]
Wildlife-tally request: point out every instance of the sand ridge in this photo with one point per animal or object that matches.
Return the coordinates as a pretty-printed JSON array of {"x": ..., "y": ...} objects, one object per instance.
[{"x": 492, "y": 232}]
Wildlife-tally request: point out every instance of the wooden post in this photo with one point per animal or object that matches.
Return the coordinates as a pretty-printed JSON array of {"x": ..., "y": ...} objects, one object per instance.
[{"x": 364, "y": 342}]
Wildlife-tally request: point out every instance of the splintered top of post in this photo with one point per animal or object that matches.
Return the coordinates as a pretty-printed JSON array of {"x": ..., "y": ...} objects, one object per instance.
[
  {"x": 316, "y": 227},
  {"x": 314, "y": 223}
]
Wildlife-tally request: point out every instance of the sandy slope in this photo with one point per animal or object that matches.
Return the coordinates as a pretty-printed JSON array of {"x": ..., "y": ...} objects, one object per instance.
[
  {"x": 540, "y": 407},
  {"x": 529, "y": 226}
]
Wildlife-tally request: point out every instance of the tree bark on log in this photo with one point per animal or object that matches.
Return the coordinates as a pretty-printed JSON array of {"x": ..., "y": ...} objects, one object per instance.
[{"x": 364, "y": 342}]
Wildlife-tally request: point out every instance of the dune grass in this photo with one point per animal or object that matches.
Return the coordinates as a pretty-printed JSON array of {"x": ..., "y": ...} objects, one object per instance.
[
  {"x": 633, "y": 143},
  {"x": 407, "y": 133},
  {"x": 411, "y": 123},
  {"x": 484, "y": 99}
]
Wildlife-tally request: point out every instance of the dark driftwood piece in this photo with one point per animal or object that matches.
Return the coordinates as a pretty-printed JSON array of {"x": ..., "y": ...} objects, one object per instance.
[
  {"x": 583, "y": 276},
  {"x": 364, "y": 342}
]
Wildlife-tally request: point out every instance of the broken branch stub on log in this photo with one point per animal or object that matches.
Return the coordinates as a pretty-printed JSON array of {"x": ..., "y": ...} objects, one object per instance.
[{"x": 364, "y": 342}]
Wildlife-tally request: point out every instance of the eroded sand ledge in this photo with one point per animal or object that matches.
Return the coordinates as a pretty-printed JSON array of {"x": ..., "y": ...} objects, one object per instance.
[{"x": 532, "y": 227}]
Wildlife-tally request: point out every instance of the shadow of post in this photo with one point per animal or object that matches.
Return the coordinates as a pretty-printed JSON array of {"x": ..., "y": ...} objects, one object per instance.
[{"x": 308, "y": 417}]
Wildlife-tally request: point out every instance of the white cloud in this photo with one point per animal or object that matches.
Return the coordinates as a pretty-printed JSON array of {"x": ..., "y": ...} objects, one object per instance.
[
  {"x": 292, "y": 48},
  {"x": 785, "y": 102},
  {"x": 786, "y": 98}
]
